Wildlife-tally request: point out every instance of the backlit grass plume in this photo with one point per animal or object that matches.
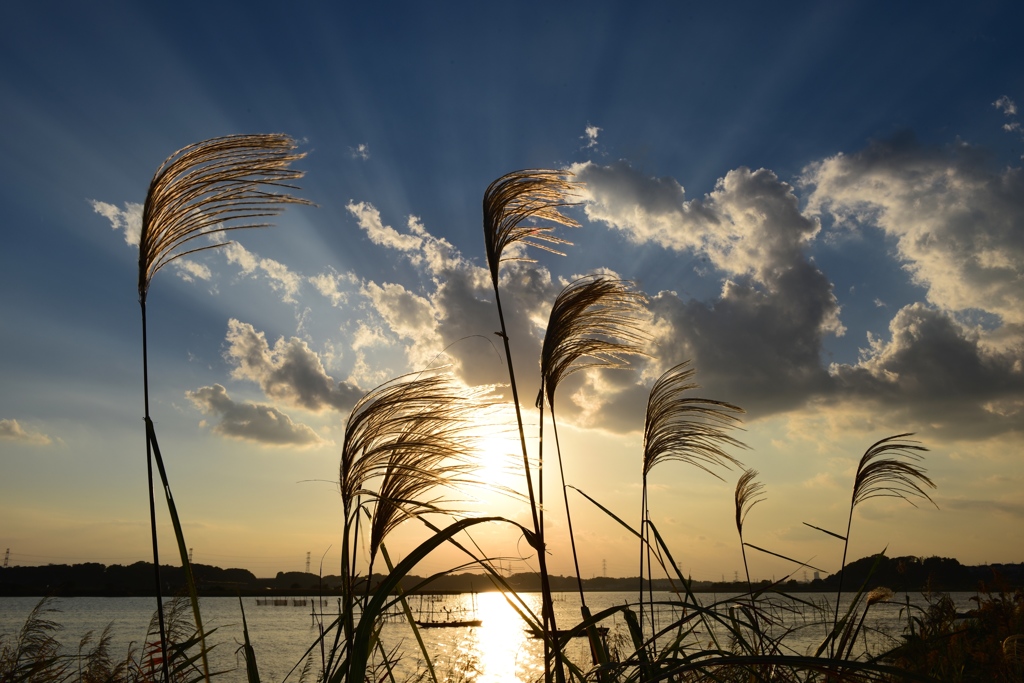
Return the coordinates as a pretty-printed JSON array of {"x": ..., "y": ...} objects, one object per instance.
[
  {"x": 749, "y": 492},
  {"x": 402, "y": 440},
  {"x": 515, "y": 202},
  {"x": 888, "y": 469},
  {"x": 225, "y": 183},
  {"x": 594, "y": 322},
  {"x": 686, "y": 429}
]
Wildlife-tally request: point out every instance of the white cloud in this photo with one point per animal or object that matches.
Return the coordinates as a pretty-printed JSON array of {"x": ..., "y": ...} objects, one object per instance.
[
  {"x": 407, "y": 314},
  {"x": 331, "y": 285},
  {"x": 280, "y": 278},
  {"x": 12, "y": 431},
  {"x": 190, "y": 271},
  {"x": 290, "y": 371},
  {"x": 1005, "y": 105},
  {"x": 360, "y": 151},
  {"x": 251, "y": 421},
  {"x": 368, "y": 218},
  {"x": 128, "y": 220},
  {"x": 959, "y": 227},
  {"x": 590, "y": 135}
]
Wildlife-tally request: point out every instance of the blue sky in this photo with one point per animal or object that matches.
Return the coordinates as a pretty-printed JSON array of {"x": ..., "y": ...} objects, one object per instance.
[{"x": 823, "y": 201}]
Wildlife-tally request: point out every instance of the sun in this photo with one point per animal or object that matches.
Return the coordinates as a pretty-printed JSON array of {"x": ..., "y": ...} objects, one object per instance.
[{"x": 499, "y": 459}]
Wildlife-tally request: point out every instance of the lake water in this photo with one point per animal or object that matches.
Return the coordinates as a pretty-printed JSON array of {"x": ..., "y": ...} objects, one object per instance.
[{"x": 498, "y": 650}]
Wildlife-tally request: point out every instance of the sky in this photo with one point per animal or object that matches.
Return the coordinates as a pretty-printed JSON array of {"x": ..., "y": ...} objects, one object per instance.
[{"x": 823, "y": 203}]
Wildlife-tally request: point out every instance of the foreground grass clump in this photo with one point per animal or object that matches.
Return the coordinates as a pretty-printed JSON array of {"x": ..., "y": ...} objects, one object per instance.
[{"x": 986, "y": 644}]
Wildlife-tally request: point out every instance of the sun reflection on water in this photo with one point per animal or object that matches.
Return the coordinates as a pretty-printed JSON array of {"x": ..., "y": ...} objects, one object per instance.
[{"x": 502, "y": 649}]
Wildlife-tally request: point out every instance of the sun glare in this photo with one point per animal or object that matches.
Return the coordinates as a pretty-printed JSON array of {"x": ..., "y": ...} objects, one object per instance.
[{"x": 500, "y": 460}]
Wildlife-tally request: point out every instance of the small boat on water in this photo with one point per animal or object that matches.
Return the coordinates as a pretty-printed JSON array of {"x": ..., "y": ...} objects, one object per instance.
[{"x": 449, "y": 624}]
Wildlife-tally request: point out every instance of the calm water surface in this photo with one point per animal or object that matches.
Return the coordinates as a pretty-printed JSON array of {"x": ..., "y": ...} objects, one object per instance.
[{"x": 498, "y": 650}]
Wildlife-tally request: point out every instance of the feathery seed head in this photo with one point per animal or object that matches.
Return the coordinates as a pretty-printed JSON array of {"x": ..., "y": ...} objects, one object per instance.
[
  {"x": 888, "y": 469},
  {"x": 594, "y": 318},
  {"x": 413, "y": 434},
  {"x": 880, "y": 594},
  {"x": 530, "y": 194},
  {"x": 226, "y": 183},
  {"x": 690, "y": 430},
  {"x": 749, "y": 492}
]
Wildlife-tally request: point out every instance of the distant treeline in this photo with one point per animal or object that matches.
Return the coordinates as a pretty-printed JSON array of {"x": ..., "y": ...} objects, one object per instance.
[{"x": 913, "y": 574}]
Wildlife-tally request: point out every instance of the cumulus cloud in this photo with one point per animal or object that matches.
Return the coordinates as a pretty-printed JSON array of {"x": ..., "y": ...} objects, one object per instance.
[
  {"x": 417, "y": 244},
  {"x": 289, "y": 372},
  {"x": 759, "y": 343},
  {"x": 934, "y": 371},
  {"x": 12, "y": 431},
  {"x": 251, "y": 421},
  {"x": 590, "y": 136},
  {"x": 958, "y": 226},
  {"x": 128, "y": 220},
  {"x": 407, "y": 314}
]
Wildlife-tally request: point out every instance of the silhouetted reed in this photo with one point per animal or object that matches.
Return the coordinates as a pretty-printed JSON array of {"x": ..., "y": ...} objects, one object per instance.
[{"x": 221, "y": 184}]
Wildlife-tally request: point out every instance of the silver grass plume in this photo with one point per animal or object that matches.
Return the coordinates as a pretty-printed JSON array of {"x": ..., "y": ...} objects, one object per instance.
[
  {"x": 687, "y": 429},
  {"x": 888, "y": 469},
  {"x": 526, "y": 195},
  {"x": 224, "y": 183},
  {"x": 749, "y": 492},
  {"x": 593, "y": 323},
  {"x": 413, "y": 434}
]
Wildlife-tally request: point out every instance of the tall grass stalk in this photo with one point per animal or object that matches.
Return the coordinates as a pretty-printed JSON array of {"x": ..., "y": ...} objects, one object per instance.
[
  {"x": 888, "y": 469},
  {"x": 221, "y": 184},
  {"x": 512, "y": 206},
  {"x": 594, "y": 323},
  {"x": 686, "y": 429}
]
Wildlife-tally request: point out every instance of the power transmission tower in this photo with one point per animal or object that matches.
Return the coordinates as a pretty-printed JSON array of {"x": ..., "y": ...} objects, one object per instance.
[
  {"x": 190, "y": 555},
  {"x": 604, "y": 567},
  {"x": 307, "y": 560},
  {"x": 7, "y": 557}
]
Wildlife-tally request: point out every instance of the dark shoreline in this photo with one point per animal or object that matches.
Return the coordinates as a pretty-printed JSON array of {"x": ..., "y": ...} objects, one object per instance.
[{"x": 902, "y": 574}]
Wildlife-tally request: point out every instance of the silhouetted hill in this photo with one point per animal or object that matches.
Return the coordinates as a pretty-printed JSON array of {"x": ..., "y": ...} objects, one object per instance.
[{"x": 93, "y": 579}]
